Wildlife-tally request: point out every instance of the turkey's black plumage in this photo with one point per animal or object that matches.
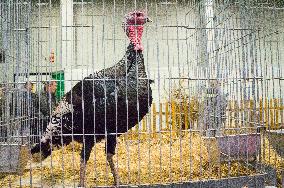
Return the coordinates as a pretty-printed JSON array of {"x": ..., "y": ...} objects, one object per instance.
[{"x": 106, "y": 103}]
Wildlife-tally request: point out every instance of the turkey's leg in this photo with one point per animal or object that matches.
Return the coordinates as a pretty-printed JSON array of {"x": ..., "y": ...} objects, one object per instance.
[
  {"x": 110, "y": 151},
  {"x": 113, "y": 169},
  {"x": 82, "y": 173},
  {"x": 85, "y": 155}
]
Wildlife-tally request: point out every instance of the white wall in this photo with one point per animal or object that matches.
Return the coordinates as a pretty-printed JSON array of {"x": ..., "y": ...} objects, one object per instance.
[{"x": 99, "y": 42}]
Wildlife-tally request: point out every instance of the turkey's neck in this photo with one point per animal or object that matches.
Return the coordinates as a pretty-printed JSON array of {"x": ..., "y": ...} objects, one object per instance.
[
  {"x": 134, "y": 33},
  {"x": 135, "y": 61}
]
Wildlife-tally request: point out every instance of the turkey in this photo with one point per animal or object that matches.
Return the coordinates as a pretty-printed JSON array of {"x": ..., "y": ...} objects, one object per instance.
[{"x": 103, "y": 105}]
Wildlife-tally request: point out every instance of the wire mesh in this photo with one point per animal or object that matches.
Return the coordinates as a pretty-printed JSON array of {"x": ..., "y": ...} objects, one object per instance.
[{"x": 200, "y": 99}]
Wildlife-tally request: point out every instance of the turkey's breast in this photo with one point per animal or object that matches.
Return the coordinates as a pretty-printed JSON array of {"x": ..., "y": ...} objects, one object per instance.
[{"x": 114, "y": 99}]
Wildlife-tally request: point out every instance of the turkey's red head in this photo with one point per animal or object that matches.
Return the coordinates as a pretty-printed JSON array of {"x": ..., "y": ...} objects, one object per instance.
[
  {"x": 133, "y": 26},
  {"x": 136, "y": 18}
]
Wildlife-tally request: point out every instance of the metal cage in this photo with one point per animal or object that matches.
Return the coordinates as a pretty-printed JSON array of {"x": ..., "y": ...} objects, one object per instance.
[{"x": 212, "y": 102}]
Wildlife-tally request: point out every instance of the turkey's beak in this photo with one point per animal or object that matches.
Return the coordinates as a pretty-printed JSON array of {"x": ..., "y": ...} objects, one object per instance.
[{"x": 148, "y": 19}]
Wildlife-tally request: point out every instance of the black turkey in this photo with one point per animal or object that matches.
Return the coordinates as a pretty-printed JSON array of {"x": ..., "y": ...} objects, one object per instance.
[{"x": 105, "y": 104}]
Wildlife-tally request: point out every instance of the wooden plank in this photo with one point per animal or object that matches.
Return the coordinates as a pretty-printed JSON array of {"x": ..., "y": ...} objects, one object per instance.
[
  {"x": 251, "y": 112},
  {"x": 271, "y": 114},
  {"x": 167, "y": 115},
  {"x": 173, "y": 116},
  {"x": 266, "y": 120},
  {"x": 231, "y": 111},
  {"x": 276, "y": 113},
  {"x": 261, "y": 110},
  {"x": 144, "y": 128},
  {"x": 241, "y": 106},
  {"x": 154, "y": 122},
  {"x": 178, "y": 117},
  {"x": 236, "y": 113},
  {"x": 281, "y": 108},
  {"x": 185, "y": 110},
  {"x": 160, "y": 116}
]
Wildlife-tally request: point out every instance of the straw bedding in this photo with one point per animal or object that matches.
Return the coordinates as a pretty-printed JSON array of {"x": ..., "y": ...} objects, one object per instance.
[{"x": 152, "y": 160}]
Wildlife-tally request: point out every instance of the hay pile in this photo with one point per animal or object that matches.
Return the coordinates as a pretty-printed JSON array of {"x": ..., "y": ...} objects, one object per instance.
[
  {"x": 270, "y": 157},
  {"x": 153, "y": 160}
]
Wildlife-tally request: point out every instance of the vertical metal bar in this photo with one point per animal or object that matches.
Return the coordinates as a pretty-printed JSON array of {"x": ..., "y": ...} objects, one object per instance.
[
  {"x": 190, "y": 122},
  {"x": 104, "y": 79},
  {"x": 169, "y": 115},
  {"x": 93, "y": 91},
  {"x": 179, "y": 86},
  {"x": 155, "y": 128},
  {"x": 115, "y": 75},
  {"x": 148, "y": 120}
]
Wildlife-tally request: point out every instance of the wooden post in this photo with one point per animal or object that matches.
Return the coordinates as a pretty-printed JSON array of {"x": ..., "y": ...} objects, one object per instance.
[
  {"x": 144, "y": 128},
  {"x": 167, "y": 116},
  {"x": 230, "y": 109},
  {"x": 266, "y": 113},
  {"x": 241, "y": 113},
  {"x": 281, "y": 108},
  {"x": 271, "y": 112},
  {"x": 160, "y": 116},
  {"x": 185, "y": 111},
  {"x": 154, "y": 113},
  {"x": 178, "y": 117},
  {"x": 276, "y": 112},
  {"x": 173, "y": 116},
  {"x": 236, "y": 114},
  {"x": 251, "y": 112},
  {"x": 261, "y": 110}
]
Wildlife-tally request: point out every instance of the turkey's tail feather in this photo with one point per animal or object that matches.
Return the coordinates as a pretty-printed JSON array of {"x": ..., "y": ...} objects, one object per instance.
[
  {"x": 53, "y": 131},
  {"x": 43, "y": 148}
]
